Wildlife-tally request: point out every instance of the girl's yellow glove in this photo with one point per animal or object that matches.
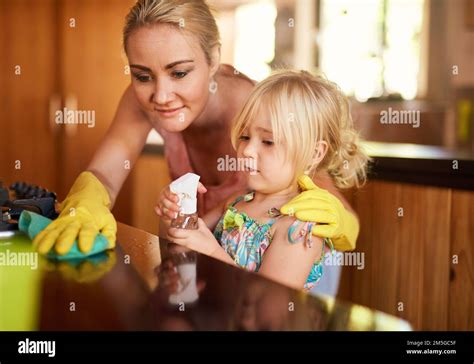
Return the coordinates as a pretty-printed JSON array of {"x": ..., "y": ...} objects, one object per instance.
[
  {"x": 84, "y": 213},
  {"x": 333, "y": 220}
]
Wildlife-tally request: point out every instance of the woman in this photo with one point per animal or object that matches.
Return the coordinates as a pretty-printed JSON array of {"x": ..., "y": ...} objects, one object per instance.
[{"x": 180, "y": 89}]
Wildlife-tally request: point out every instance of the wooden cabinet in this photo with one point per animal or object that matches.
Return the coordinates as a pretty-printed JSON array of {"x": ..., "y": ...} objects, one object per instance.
[
  {"x": 146, "y": 190},
  {"x": 419, "y": 254},
  {"x": 59, "y": 55},
  {"x": 28, "y": 83}
]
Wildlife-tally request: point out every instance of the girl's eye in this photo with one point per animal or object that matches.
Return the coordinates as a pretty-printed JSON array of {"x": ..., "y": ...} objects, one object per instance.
[
  {"x": 179, "y": 74},
  {"x": 267, "y": 142},
  {"x": 244, "y": 137},
  {"x": 142, "y": 78}
]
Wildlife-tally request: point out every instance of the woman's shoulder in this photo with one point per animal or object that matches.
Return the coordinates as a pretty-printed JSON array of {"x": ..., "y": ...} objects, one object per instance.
[
  {"x": 230, "y": 73},
  {"x": 236, "y": 88}
]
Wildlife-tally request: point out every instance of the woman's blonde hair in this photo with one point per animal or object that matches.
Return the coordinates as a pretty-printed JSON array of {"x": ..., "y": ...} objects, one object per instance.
[
  {"x": 305, "y": 110},
  {"x": 192, "y": 16}
]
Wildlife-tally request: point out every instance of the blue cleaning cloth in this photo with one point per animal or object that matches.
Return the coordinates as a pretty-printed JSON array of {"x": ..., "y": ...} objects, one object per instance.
[{"x": 32, "y": 224}]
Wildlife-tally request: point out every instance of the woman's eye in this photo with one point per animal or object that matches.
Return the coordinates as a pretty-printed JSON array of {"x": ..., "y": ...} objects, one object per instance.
[
  {"x": 179, "y": 74},
  {"x": 244, "y": 137},
  {"x": 142, "y": 78},
  {"x": 267, "y": 142}
]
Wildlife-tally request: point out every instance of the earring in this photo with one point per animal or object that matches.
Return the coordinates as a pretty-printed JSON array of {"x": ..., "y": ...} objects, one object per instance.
[{"x": 213, "y": 86}]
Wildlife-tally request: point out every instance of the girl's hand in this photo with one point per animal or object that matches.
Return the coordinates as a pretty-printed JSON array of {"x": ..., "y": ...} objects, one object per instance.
[
  {"x": 201, "y": 240},
  {"x": 167, "y": 206}
]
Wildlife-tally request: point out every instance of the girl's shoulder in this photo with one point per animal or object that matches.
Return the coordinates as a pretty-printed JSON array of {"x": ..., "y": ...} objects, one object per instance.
[{"x": 289, "y": 229}]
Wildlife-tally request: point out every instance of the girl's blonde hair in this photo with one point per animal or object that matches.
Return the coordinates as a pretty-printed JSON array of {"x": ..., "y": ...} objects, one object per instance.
[
  {"x": 305, "y": 110},
  {"x": 193, "y": 16}
]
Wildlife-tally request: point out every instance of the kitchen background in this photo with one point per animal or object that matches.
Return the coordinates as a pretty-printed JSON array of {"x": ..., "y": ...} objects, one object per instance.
[{"x": 386, "y": 55}]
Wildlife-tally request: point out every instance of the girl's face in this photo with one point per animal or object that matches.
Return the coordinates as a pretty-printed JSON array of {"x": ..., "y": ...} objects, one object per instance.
[
  {"x": 170, "y": 75},
  {"x": 268, "y": 172}
]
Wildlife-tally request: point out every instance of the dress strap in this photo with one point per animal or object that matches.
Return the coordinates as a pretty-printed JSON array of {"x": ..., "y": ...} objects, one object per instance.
[{"x": 247, "y": 197}]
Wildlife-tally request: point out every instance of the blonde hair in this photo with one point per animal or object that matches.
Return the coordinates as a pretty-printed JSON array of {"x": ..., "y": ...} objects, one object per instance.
[
  {"x": 193, "y": 16},
  {"x": 305, "y": 110}
]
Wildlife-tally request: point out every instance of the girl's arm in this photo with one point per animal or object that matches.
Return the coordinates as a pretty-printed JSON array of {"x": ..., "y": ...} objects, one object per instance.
[
  {"x": 201, "y": 240},
  {"x": 211, "y": 218},
  {"x": 290, "y": 263},
  {"x": 222, "y": 255}
]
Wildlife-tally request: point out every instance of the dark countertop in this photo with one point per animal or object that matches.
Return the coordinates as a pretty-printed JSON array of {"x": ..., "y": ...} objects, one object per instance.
[
  {"x": 409, "y": 163},
  {"x": 421, "y": 164},
  {"x": 134, "y": 288}
]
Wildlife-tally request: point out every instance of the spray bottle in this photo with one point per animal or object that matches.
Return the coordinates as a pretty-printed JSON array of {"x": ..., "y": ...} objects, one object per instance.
[{"x": 186, "y": 189}]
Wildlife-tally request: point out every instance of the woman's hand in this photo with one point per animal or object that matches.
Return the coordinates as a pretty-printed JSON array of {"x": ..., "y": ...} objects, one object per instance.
[
  {"x": 85, "y": 212},
  {"x": 201, "y": 240},
  {"x": 167, "y": 206},
  {"x": 320, "y": 206}
]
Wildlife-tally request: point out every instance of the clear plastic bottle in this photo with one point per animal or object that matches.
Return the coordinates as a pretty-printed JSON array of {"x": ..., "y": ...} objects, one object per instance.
[
  {"x": 186, "y": 292},
  {"x": 186, "y": 189}
]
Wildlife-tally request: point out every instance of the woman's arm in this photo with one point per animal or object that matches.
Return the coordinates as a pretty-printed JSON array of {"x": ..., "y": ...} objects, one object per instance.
[
  {"x": 121, "y": 146},
  {"x": 290, "y": 263},
  {"x": 94, "y": 191}
]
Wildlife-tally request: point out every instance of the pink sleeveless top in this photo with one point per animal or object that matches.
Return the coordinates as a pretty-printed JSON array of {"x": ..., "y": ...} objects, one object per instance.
[{"x": 179, "y": 163}]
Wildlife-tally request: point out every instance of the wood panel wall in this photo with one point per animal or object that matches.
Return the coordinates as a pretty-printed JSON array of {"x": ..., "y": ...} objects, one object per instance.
[{"x": 409, "y": 270}]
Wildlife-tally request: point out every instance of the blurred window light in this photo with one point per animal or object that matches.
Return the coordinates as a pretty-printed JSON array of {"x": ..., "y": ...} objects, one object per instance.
[
  {"x": 371, "y": 48},
  {"x": 255, "y": 38}
]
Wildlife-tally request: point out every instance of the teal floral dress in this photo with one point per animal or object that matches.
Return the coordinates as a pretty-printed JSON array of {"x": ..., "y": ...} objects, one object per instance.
[{"x": 246, "y": 240}]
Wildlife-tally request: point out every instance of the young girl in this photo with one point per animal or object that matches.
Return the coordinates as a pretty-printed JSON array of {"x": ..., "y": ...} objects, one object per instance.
[{"x": 293, "y": 124}]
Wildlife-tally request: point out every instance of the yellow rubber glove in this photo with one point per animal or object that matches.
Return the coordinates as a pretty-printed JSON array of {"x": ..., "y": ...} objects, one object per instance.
[
  {"x": 84, "y": 213},
  {"x": 320, "y": 206},
  {"x": 87, "y": 270}
]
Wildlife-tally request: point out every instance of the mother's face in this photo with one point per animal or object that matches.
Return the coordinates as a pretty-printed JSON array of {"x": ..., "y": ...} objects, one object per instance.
[{"x": 170, "y": 75}]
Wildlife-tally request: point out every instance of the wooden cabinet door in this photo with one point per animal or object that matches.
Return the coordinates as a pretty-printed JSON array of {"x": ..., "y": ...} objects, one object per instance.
[
  {"x": 28, "y": 83},
  {"x": 93, "y": 79}
]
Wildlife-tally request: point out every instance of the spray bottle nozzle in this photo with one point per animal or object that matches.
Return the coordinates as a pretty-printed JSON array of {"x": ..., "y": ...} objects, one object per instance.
[{"x": 186, "y": 189}]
